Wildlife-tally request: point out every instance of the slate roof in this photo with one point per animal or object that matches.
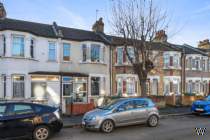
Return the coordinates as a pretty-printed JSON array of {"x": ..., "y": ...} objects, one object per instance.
[
  {"x": 46, "y": 30},
  {"x": 192, "y": 50},
  {"x": 119, "y": 41}
]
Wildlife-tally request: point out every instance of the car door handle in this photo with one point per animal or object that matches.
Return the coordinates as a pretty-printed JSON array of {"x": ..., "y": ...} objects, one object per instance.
[{"x": 1, "y": 123}]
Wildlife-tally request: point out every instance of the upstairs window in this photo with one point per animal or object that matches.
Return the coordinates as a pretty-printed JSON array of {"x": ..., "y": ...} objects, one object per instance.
[
  {"x": 171, "y": 60},
  {"x": 66, "y": 52},
  {"x": 52, "y": 51},
  {"x": 119, "y": 56},
  {"x": 166, "y": 60},
  {"x": 95, "y": 53},
  {"x": 32, "y": 48},
  {"x": 131, "y": 53},
  {"x": 2, "y": 45},
  {"x": 18, "y": 46},
  {"x": 84, "y": 52}
]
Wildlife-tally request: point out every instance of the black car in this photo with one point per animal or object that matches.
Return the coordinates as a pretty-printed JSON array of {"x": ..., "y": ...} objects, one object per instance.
[{"x": 18, "y": 120}]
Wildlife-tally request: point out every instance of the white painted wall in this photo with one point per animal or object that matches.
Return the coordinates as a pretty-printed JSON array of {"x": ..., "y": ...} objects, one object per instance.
[{"x": 10, "y": 65}]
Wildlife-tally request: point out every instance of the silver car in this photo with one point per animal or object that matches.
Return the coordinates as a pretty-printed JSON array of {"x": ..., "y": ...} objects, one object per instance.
[{"x": 122, "y": 112}]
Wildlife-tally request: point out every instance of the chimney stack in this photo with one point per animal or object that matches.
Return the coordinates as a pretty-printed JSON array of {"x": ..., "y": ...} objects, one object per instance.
[
  {"x": 205, "y": 44},
  {"x": 98, "y": 26},
  {"x": 3, "y": 13},
  {"x": 160, "y": 36}
]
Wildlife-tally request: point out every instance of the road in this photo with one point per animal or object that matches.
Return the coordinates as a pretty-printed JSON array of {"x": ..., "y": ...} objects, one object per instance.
[{"x": 172, "y": 128}]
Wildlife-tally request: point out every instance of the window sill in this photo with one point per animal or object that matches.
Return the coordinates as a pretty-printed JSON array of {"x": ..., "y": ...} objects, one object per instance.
[
  {"x": 66, "y": 62},
  {"x": 125, "y": 64},
  {"x": 102, "y": 63},
  {"x": 52, "y": 61},
  {"x": 173, "y": 68},
  {"x": 14, "y": 57}
]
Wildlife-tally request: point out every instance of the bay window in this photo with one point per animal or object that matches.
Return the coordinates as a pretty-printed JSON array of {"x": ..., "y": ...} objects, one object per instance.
[
  {"x": 80, "y": 89},
  {"x": 119, "y": 56},
  {"x": 3, "y": 86},
  {"x": 66, "y": 52},
  {"x": 52, "y": 51},
  {"x": 171, "y": 60},
  {"x": 166, "y": 60},
  {"x": 32, "y": 48},
  {"x": 84, "y": 53},
  {"x": 95, "y": 86},
  {"x": 131, "y": 54},
  {"x": 18, "y": 82},
  {"x": 94, "y": 53},
  {"x": 18, "y": 46},
  {"x": 126, "y": 86},
  {"x": 2, "y": 45}
]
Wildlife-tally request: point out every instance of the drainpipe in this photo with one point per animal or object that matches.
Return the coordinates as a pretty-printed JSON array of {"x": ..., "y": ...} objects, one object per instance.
[
  {"x": 110, "y": 70},
  {"x": 183, "y": 72}
]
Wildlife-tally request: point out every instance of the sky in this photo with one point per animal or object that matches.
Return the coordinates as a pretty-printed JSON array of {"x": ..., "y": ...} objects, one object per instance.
[{"x": 189, "y": 19}]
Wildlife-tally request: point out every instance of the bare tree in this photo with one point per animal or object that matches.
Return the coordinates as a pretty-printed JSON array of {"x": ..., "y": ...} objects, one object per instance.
[{"x": 137, "y": 21}]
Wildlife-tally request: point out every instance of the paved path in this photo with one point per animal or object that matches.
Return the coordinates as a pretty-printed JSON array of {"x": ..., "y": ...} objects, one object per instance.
[{"x": 172, "y": 128}]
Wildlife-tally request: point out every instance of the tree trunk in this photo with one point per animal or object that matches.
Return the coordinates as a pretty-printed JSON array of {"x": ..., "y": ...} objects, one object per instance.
[{"x": 143, "y": 85}]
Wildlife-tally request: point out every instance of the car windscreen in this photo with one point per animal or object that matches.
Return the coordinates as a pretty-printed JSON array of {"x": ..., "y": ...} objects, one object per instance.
[
  {"x": 207, "y": 98},
  {"x": 110, "y": 105},
  {"x": 2, "y": 110}
]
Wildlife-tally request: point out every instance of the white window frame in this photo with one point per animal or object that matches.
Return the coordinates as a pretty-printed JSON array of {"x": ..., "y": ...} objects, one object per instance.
[
  {"x": 69, "y": 52},
  {"x": 21, "y": 36},
  {"x": 24, "y": 88},
  {"x": 55, "y": 59}
]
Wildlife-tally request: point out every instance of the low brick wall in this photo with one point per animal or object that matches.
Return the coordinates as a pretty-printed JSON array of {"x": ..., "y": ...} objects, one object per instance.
[
  {"x": 188, "y": 100},
  {"x": 159, "y": 100},
  {"x": 79, "y": 108},
  {"x": 170, "y": 100}
]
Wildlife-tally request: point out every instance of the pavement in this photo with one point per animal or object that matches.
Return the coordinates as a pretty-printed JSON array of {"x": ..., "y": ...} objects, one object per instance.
[
  {"x": 170, "y": 128},
  {"x": 75, "y": 121}
]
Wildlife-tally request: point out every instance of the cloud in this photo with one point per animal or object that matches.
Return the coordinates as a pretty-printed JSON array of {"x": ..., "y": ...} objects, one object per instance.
[
  {"x": 202, "y": 10},
  {"x": 70, "y": 18}
]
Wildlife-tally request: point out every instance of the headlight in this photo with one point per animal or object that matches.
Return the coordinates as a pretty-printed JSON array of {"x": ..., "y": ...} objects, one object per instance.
[
  {"x": 57, "y": 114},
  {"x": 93, "y": 118}
]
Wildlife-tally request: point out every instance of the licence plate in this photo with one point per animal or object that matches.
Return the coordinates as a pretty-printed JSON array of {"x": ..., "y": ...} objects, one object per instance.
[{"x": 199, "y": 109}]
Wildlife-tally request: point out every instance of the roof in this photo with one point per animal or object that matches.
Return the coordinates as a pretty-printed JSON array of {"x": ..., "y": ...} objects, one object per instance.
[
  {"x": 119, "y": 41},
  {"x": 46, "y": 30},
  {"x": 192, "y": 50}
]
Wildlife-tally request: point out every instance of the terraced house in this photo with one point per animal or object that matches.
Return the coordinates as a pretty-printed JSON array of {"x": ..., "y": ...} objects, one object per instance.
[
  {"x": 56, "y": 65},
  {"x": 70, "y": 68},
  {"x": 178, "y": 69}
]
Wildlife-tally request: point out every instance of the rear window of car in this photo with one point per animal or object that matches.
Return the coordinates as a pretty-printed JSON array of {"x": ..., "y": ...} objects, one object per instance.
[
  {"x": 140, "y": 103},
  {"x": 22, "y": 109},
  {"x": 2, "y": 109}
]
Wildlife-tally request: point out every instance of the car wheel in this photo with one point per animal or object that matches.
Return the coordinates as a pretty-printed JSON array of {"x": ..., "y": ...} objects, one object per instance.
[
  {"x": 153, "y": 121},
  {"x": 41, "y": 133},
  {"x": 107, "y": 126}
]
